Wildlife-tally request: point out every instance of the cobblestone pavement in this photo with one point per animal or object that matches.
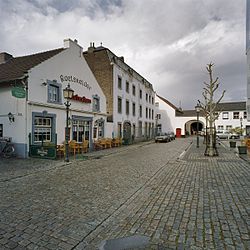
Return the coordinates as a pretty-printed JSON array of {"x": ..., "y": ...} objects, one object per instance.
[{"x": 192, "y": 202}]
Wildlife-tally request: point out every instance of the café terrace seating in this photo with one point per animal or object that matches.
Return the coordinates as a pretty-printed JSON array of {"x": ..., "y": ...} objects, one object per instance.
[
  {"x": 83, "y": 147},
  {"x": 74, "y": 148},
  {"x": 104, "y": 143}
]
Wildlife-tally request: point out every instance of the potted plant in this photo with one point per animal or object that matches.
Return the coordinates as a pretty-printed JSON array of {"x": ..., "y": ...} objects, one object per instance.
[
  {"x": 234, "y": 134},
  {"x": 232, "y": 144},
  {"x": 242, "y": 149}
]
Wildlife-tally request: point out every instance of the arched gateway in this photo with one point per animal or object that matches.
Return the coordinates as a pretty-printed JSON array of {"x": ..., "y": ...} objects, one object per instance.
[{"x": 191, "y": 127}]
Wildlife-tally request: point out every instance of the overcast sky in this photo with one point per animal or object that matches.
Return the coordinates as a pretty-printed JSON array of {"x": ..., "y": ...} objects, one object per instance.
[{"x": 169, "y": 42}]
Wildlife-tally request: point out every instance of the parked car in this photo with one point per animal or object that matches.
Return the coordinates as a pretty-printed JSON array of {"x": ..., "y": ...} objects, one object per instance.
[
  {"x": 171, "y": 135},
  {"x": 222, "y": 135},
  {"x": 234, "y": 136},
  {"x": 227, "y": 135},
  {"x": 162, "y": 137}
]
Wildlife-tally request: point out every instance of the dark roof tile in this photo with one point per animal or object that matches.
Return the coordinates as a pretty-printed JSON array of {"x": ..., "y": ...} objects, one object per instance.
[{"x": 17, "y": 66}]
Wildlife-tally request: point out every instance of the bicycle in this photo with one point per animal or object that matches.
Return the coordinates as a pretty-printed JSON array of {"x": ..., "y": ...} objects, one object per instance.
[{"x": 6, "y": 147}]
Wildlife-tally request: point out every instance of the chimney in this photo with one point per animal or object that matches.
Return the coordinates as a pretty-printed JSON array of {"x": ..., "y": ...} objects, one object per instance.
[
  {"x": 121, "y": 58},
  {"x": 68, "y": 43},
  {"x": 4, "y": 57},
  {"x": 91, "y": 48}
]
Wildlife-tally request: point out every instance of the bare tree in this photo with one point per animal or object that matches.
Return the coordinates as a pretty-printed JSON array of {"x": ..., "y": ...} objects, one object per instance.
[{"x": 210, "y": 110}]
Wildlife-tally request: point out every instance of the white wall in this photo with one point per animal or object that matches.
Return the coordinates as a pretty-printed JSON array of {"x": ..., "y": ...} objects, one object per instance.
[
  {"x": 121, "y": 118},
  {"x": 69, "y": 62},
  {"x": 167, "y": 114}
]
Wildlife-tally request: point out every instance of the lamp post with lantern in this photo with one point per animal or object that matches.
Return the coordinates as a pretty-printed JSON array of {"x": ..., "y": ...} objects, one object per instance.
[
  {"x": 67, "y": 94},
  {"x": 197, "y": 108},
  {"x": 241, "y": 125}
]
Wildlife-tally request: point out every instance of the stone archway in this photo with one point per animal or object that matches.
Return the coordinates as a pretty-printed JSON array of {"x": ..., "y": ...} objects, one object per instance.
[{"x": 191, "y": 127}]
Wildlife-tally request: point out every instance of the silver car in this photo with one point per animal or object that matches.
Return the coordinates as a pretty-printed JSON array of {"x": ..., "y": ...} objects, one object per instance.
[{"x": 162, "y": 137}]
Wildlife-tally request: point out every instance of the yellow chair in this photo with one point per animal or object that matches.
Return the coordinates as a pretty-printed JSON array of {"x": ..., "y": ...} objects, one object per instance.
[
  {"x": 85, "y": 146},
  {"x": 108, "y": 142},
  {"x": 74, "y": 147},
  {"x": 60, "y": 150}
]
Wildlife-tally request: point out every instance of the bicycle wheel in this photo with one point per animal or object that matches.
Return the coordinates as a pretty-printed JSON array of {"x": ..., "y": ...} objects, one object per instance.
[{"x": 8, "y": 151}]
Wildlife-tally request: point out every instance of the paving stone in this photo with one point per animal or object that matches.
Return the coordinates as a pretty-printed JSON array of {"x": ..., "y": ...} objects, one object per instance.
[{"x": 194, "y": 202}]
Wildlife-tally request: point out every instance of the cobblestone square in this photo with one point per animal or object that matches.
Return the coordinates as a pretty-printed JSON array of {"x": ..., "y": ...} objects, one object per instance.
[{"x": 187, "y": 202}]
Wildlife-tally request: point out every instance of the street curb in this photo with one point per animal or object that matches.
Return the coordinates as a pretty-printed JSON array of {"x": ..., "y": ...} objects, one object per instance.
[{"x": 181, "y": 156}]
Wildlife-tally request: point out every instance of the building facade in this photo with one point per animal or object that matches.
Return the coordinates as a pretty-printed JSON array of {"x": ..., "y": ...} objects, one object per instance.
[
  {"x": 165, "y": 115},
  {"x": 39, "y": 115},
  {"x": 130, "y": 97},
  {"x": 171, "y": 118}
]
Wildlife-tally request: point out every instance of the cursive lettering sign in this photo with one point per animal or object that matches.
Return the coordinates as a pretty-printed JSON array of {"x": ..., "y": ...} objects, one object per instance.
[
  {"x": 81, "y": 99},
  {"x": 74, "y": 79}
]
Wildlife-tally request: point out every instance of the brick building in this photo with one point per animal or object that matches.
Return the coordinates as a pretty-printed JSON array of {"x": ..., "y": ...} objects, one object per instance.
[{"x": 130, "y": 97}]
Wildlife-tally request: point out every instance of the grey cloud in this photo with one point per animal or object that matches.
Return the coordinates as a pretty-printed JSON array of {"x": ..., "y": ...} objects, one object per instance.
[{"x": 169, "y": 42}]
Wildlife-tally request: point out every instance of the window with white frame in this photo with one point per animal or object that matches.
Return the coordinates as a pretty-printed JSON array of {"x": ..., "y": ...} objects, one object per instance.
[
  {"x": 245, "y": 115},
  {"x": 140, "y": 111},
  {"x": 119, "y": 105},
  {"x": 119, "y": 82},
  {"x": 225, "y": 115},
  {"x": 133, "y": 90},
  {"x": 133, "y": 109},
  {"x": 236, "y": 115},
  {"x": 127, "y": 107},
  {"x": 54, "y": 91},
  {"x": 158, "y": 116},
  {"x": 127, "y": 86},
  {"x": 220, "y": 127},
  {"x": 140, "y": 94},
  {"x": 42, "y": 129}
]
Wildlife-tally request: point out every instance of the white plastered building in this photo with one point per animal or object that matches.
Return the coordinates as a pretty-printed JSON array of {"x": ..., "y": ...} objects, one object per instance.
[{"x": 40, "y": 116}]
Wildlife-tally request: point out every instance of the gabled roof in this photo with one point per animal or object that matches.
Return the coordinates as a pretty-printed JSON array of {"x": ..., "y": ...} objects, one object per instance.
[
  {"x": 115, "y": 59},
  {"x": 224, "y": 106},
  {"x": 168, "y": 102},
  {"x": 188, "y": 113},
  {"x": 16, "y": 67},
  {"x": 231, "y": 106}
]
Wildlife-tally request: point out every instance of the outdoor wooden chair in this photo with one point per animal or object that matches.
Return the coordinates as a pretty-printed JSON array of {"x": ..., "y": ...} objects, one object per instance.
[
  {"x": 108, "y": 142},
  {"x": 74, "y": 147},
  {"x": 85, "y": 146},
  {"x": 60, "y": 150}
]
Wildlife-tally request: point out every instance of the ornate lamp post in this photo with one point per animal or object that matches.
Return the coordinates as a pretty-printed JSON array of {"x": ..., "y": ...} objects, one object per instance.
[
  {"x": 241, "y": 126},
  {"x": 67, "y": 94},
  {"x": 197, "y": 108}
]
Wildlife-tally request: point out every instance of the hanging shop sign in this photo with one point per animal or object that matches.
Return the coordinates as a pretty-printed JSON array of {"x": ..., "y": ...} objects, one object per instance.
[
  {"x": 76, "y": 80},
  {"x": 81, "y": 99},
  {"x": 18, "y": 92}
]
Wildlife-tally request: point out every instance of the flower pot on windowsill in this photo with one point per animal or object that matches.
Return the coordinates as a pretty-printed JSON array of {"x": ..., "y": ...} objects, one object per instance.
[
  {"x": 242, "y": 149},
  {"x": 232, "y": 144}
]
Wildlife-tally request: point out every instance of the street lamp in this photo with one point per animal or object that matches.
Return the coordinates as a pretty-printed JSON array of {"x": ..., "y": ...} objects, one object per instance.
[
  {"x": 241, "y": 126},
  {"x": 197, "y": 108},
  {"x": 67, "y": 94}
]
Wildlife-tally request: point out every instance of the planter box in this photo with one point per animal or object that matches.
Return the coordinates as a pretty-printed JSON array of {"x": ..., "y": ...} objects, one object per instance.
[
  {"x": 232, "y": 144},
  {"x": 242, "y": 149}
]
